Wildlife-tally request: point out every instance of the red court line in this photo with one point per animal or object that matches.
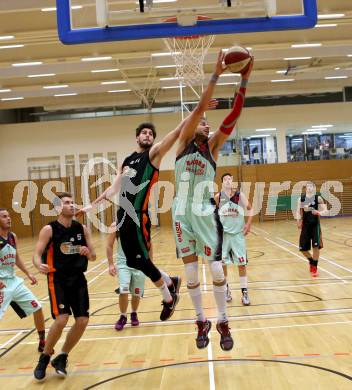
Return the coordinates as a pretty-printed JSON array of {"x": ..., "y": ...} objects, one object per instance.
[
  {"x": 342, "y": 353},
  {"x": 281, "y": 355},
  {"x": 82, "y": 364},
  {"x": 312, "y": 354},
  {"x": 224, "y": 357},
  {"x": 25, "y": 368},
  {"x": 2, "y": 369},
  {"x": 196, "y": 358},
  {"x": 138, "y": 361},
  {"x": 110, "y": 363}
]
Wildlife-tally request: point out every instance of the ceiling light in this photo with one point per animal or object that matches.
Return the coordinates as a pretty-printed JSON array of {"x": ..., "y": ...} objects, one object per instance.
[
  {"x": 230, "y": 74},
  {"x": 10, "y": 46},
  {"x": 120, "y": 90},
  {"x": 349, "y": 55},
  {"x": 87, "y": 59},
  {"x": 104, "y": 70},
  {"x": 55, "y": 86},
  {"x": 282, "y": 80},
  {"x": 13, "y": 98},
  {"x": 335, "y": 77},
  {"x": 4, "y": 37},
  {"x": 66, "y": 94},
  {"x": 301, "y": 45},
  {"x": 5, "y": 90},
  {"x": 174, "y": 86},
  {"x": 312, "y": 132},
  {"x": 268, "y": 129},
  {"x": 51, "y": 9},
  {"x": 318, "y": 126},
  {"x": 113, "y": 82},
  {"x": 296, "y": 58},
  {"x": 168, "y": 78},
  {"x": 326, "y": 25},
  {"x": 165, "y": 54},
  {"x": 337, "y": 68},
  {"x": 41, "y": 75},
  {"x": 227, "y": 83},
  {"x": 317, "y": 129},
  {"x": 281, "y": 71},
  {"x": 28, "y": 63},
  {"x": 165, "y": 66},
  {"x": 330, "y": 16}
]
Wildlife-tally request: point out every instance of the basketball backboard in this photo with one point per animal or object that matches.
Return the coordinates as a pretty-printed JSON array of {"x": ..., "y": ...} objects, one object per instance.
[{"x": 87, "y": 21}]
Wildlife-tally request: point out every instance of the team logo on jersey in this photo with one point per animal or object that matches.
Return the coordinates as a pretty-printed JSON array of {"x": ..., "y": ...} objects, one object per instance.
[
  {"x": 61, "y": 306},
  {"x": 185, "y": 250},
  {"x": 128, "y": 171},
  {"x": 1, "y": 298},
  {"x": 72, "y": 239},
  {"x": 137, "y": 291},
  {"x": 79, "y": 237},
  {"x": 207, "y": 251},
  {"x": 178, "y": 231}
]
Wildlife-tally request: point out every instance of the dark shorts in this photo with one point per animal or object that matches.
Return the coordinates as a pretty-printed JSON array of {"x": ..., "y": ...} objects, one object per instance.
[
  {"x": 310, "y": 237},
  {"x": 135, "y": 240},
  {"x": 68, "y": 295}
]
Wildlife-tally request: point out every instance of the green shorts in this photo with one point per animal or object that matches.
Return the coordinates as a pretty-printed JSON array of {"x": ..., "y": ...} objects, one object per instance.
[
  {"x": 197, "y": 230},
  {"x": 131, "y": 280},
  {"x": 19, "y": 297},
  {"x": 234, "y": 249}
]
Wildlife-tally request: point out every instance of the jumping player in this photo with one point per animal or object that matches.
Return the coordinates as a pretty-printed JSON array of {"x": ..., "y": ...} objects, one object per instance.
[
  {"x": 62, "y": 253},
  {"x": 233, "y": 206},
  {"x": 12, "y": 289},
  {"x": 141, "y": 169},
  {"x": 310, "y": 207},
  {"x": 197, "y": 228}
]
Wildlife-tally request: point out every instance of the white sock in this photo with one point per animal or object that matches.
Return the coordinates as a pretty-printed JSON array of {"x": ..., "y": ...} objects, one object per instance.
[
  {"x": 166, "y": 278},
  {"x": 196, "y": 297},
  {"x": 123, "y": 314},
  {"x": 220, "y": 299},
  {"x": 243, "y": 281},
  {"x": 165, "y": 293}
]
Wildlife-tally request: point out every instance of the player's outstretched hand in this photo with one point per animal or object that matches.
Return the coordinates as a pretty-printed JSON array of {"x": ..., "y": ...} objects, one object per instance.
[
  {"x": 213, "y": 103},
  {"x": 83, "y": 210},
  {"x": 112, "y": 270},
  {"x": 2, "y": 285},
  {"x": 220, "y": 66},
  {"x": 316, "y": 212}
]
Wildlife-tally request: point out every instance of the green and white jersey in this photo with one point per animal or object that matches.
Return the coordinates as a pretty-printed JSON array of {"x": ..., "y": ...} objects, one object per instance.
[
  {"x": 195, "y": 172},
  {"x": 7, "y": 256},
  {"x": 231, "y": 213}
]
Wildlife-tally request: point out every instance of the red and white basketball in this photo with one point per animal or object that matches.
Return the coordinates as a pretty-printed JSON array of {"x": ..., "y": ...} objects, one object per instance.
[{"x": 237, "y": 59}]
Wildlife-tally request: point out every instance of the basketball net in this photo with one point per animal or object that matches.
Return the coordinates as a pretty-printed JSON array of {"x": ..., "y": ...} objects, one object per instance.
[{"x": 188, "y": 54}]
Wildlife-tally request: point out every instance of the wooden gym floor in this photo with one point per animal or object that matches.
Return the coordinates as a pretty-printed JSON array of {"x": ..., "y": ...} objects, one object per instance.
[{"x": 295, "y": 335}]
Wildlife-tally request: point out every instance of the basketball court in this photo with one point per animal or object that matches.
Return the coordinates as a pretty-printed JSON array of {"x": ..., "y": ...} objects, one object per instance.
[{"x": 77, "y": 77}]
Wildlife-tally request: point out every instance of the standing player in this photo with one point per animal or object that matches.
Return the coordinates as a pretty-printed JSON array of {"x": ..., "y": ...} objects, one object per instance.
[
  {"x": 62, "y": 252},
  {"x": 233, "y": 206},
  {"x": 310, "y": 207},
  {"x": 197, "y": 227},
  {"x": 12, "y": 289},
  {"x": 139, "y": 172},
  {"x": 131, "y": 280}
]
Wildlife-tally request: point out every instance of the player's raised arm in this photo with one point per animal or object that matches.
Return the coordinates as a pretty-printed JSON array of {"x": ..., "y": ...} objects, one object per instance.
[
  {"x": 187, "y": 132},
  {"x": 224, "y": 131}
]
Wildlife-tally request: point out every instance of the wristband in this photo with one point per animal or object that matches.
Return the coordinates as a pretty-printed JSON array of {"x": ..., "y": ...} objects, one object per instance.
[{"x": 214, "y": 78}]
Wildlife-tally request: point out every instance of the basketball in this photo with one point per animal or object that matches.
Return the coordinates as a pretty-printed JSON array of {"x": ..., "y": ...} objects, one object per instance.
[{"x": 237, "y": 59}]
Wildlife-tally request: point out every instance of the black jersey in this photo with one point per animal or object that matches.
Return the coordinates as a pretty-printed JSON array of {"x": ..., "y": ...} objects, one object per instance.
[
  {"x": 62, "y": 252},
  {"x": 140, "y": 172},
  {"x": 307, "y": 206}
]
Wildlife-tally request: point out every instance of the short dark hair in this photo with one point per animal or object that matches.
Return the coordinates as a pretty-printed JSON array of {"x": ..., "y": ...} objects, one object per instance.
[
  {"x": 145, "y": 125},
  {"x": 225, "y": 174},
  {"x": 61, "y": 195}
]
